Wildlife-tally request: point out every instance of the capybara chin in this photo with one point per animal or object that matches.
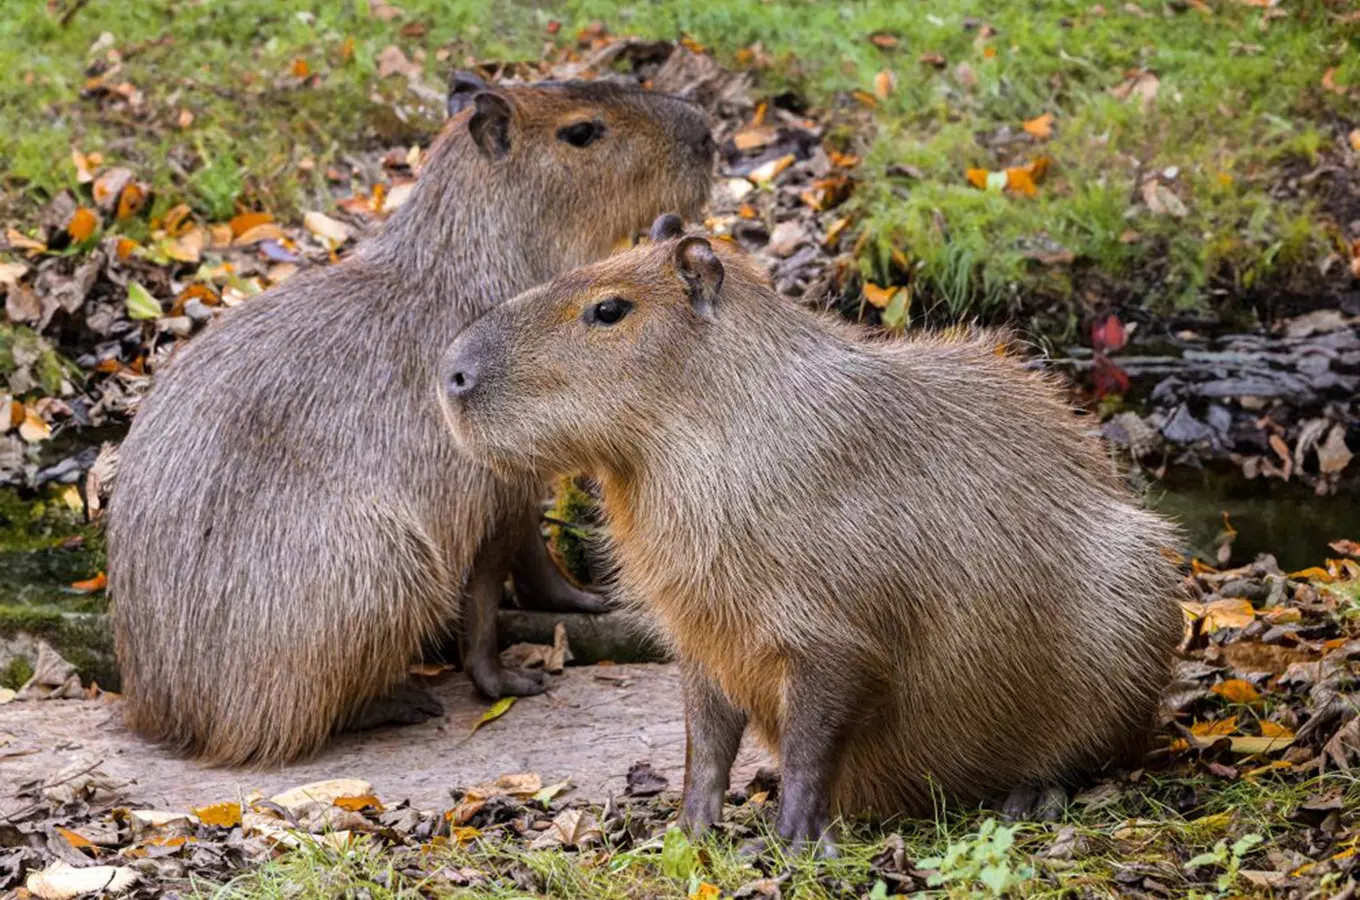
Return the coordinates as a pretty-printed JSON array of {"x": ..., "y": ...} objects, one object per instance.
[
  {"x": 291, "y": 520},
  {"x": 904, "y": 562}
]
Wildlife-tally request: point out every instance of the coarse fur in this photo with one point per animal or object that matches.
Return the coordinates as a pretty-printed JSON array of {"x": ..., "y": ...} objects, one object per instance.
[
  {"x": 904, "y": 561},
  {"x": 292, "y": 521}
]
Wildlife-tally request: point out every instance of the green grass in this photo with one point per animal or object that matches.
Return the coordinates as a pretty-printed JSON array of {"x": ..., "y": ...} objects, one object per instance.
[
  {"x": 1240, "y": 103},
  {"x": 1162, "y": 824}
]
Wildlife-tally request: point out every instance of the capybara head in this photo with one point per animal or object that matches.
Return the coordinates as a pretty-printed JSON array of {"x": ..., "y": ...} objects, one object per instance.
[
  {"x": 581, "y": 372},
  {"x": 584, "y": 163}
]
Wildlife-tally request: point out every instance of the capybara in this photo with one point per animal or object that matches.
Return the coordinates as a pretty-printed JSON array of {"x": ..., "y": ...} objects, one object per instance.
[
  {"x": 903, "y": 561},
  {"x": 291, "y": 519}
]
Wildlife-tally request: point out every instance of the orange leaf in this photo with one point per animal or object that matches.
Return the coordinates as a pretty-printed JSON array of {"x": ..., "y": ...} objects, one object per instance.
[
  {"x": 195, "y": 291},
  {"x": 220, "y": 815},
  {"x": 246, "y": 221},
  {"x": 1313, "y": 573},
  {"x": 83, "y": 223},
  {"x": 1040, "y": 126},
  {"x": 842, "y": 160},
  {"x": 1020, "y": 181},
  {"x": 1275, "y": 730},
  {"x": 866, "y": 98},
  {"x": 878, "y": 296},
  {"x": 1200, "y": 568},
  {"x": 177, "y": 220},
  {"x": 1346, "y": 547},
  {"x": 1038, "y": 167},
  {"x": 300, "y": 69},
  {"x": 77, "y": 840},
  {"x": 131, "y": 200},
  {"x": 978, "y": 178},
  {"x": 1235, "y": 690},
  {"x": 90, "y": 585},
  {"x": 1216, "y": 728},
  {"x": 1329, "y": 82},
  {"x": 359, "y": 803},
  {"x": 989, "y": 53},
  {"x": 126, "y": 247},
  {"x": 884, "y": 83}
]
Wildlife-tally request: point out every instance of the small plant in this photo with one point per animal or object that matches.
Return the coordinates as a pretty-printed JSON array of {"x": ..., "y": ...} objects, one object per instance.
[
  {"x": 1228, "y": 858},
  {"x": 983, "y": 858}
]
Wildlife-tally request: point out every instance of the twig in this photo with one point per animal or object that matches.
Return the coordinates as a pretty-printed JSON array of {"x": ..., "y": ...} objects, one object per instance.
[{"x": 71, "y": 11}]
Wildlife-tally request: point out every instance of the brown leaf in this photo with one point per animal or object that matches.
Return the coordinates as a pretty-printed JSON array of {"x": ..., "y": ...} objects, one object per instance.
[
  {"x": 1329, "y": 82},
  {"x": 1140, "y": 86},
  {"x": 884, "y": 84},
  {"x": 1282, "y": 450},
  {"x": 1346, "y": 547},
  {"x": 753, "y": 137},
  {"x": 1251, "y": 656},
  {"x": 108, "y": 186},
  {"x": 391, "y": 61},
  {"x": 1333, "y": 454},
  {"x": 883, "y": 40},
  {"x": 246, "y": 221},
  {"x": 1161, "y": 200},
  {"x": 934, "y": 60}
]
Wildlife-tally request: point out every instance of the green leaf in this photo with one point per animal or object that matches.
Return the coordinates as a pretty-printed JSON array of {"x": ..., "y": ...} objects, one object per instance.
[
  {"x": 895, "y": 313},
  {"x": 1213, "y": 857},
  {"x": 140, "y": 303},
  {"x": 996, "y": 877},
  {"x": 545, "y": 796},
  {"x": 880, "y": 890},
  {"x": 498, "y": 709},
  {"x": 1245, "y": 843},
  {"x": 677, "y": 854},
  {"x": 996, "y": 181}
]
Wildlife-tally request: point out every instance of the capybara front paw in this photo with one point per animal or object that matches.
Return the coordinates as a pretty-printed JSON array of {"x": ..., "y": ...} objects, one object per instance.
[
  {"x": 1030, "y": 802},
  {"x": 496, "y": 682}
]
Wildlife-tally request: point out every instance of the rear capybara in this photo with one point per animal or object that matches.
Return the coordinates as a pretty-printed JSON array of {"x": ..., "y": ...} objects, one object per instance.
[
  {"x": 903, "y": 561},
  {"x": 291, "y": 519}
]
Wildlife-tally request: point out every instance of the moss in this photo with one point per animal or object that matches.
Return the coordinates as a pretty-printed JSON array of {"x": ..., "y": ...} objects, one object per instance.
[
  {"x": 573, "y": 516},
  {"x": 16, "y": 673},
  {"x": 84, "y": 639}
]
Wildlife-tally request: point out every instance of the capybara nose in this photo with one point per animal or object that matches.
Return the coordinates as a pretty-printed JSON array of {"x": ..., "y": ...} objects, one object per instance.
[{"x": 461, "y": 381}]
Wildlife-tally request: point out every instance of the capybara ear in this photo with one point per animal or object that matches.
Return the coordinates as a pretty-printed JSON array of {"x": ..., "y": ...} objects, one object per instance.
[
  {"x": 463, "y": 86},
  {"x": 490, "y": 124},
  {"x": 701, "y": 271},
  {"x": 667, "y": 226}
]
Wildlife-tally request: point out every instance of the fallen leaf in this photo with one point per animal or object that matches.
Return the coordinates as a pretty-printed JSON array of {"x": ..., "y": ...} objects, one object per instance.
[
  {"x": 1108, "y": 335},
  {"x": 265, "y": 232},
  {"x": 83, "y": 223},
  {"x": 91, "y": 585},
  {"x": 1020, "y": 181},
  {"x": 883, "y": 40},
  {"x": 60, "y": 881},
  {"x": 76, "y": 839},
  {"x": 1354, "y": 138},
  {"x": 34, "y": 428},
  {"x": 323, "y": 792},
  {"x": 545, "y": 795},
  {"x": 1215, "y": 728},
  {"x": 572, "y": 828},
  {"x": 131, "y": 200},
  {"x": 1235, "y": 690},
  {"x": 1223, "y": 613},
  {"x": 392, "y": 61},
  {"x": 359, "y": 803},
  {"x": 498, "y": 709},
  {"x": 300, "y": 68},
  {"x": 220, "y": 815},
  {"x": 1346, "y": 547},
  {"x": 333, "y": 231},
  {"x": 246, "y": 221},
  {"x": 1251, "y": 656},
  {"x": 1161, "y": 200},
  {"x": 10, "y": 273},
  {"x": 20, "y": 241},
  {"x": 934, "y": 60},
  {"x": 109, "y": 186},
  {"x": 1250, "y": 745},
  {"x": 1040, "y": 126},
  {"x": 188, "y": 247},
  {"x": 1329, "y": 82},
  {"x": 705, "y": 891},
  {"x": 140, "y": 304},
  {"x": 1333, "y": 454},
  {"x": 1142, "y": 86},
  {"x": 1282, "y": 450},
  {"x": 769, "y": 170},
  {"x": 884, "y": 84},
  {"x": 1275, "y": 730},
  {"x": 877, "y": 296},
  {"x": 978, "y": 178},
  {"x": 753, "y": 137}
]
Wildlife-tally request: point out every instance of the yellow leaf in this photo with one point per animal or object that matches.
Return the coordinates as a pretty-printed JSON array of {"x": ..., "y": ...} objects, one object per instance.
[
  {"x": 978, "y": 178},
  {"x": 34, "y": 428},
  {"x": 1235, "y": 690},
  {"x": 1220, "y": 614},
  {"x": 1040, "y": 126},
  {"x": 866, "y": 98},
  {"x": 705, "y": 891},
  {"x": 266, "y": 232},
  {"x": 90, "y": 585},
  {"x": 464, "y": 834},
  {"x": 131, "y": 200},
  {"x": 83, "y": 223},
  {"x": 769, "y": 170},
  {"x": 126, "y": 247},
  {"x": 498, "y": 709},
  {"x": 877, "y": 296},
  {"x": 300, "y": 69},
  {"x": 220, "y": 815},
  {"x": 1313, "y": 573},
  {"x": 1250, "y": 745}
]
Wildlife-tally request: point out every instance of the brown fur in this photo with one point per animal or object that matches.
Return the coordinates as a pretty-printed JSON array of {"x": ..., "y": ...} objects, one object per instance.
[
  {"x": 905, "y": 562},
  {"x": 291, "y": 521}
]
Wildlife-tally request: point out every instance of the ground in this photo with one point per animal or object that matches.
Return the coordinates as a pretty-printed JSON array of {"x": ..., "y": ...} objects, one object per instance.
[{"x": 1164, "y": 197}]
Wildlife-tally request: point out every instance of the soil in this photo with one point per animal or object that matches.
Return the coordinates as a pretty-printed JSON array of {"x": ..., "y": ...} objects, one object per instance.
[{"x": 591, "y": 726}]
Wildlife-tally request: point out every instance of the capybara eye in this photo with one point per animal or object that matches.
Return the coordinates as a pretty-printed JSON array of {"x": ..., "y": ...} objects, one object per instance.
[
  {"x": 581, "y": 134},
  {"x": 607, "y": 312}
]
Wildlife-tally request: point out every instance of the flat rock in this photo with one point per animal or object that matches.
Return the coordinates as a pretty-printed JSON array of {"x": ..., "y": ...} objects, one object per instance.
[{"x": 591, "y": 726}]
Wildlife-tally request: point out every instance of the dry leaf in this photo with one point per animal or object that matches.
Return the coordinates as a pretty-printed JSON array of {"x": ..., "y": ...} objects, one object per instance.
[
  {"x": 1040, "y": 126},
  {"x": 769, "y": 170},
  {"x": 323, "y": 792},
  {"x": 220, "y": 815},
  {"x": 1282, "y": 450},
  {"x": 1142, "y": 86},
  {"x": 1161, "y": 200},
  {"x": 391, "y": 61},
  {"x": 1333, "y": 454},
  {"x": 91, "y": 585},
  {"x": 359, "y": 803},
  {"x": 1250, "y": 745},
  {"x": 131, "y": 200},
  {"x": 978, "y": 178},
  {"x": 1329, "y": 82},
  {"x": 1021, "y": 182},
  {"x": 753, "y": 137},
  {"x": 497, "y": 709},
  {"x": 266, "y": 232},
  {"x": 246, "y": 221},
  {"x": 109, "y": 185},
  {"x": 60, "y": 881},
  {"x": 1346, "y": 547},
  {"x": 1214, "y": 729},
  {"x": 885, "y": 82},
  {"x": 34, "y": 428},
  {"x": 333, "y": 231}
]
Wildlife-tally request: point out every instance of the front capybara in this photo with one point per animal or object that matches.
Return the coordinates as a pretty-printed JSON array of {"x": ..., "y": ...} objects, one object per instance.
[
  {"x": 291, "y": 520},
  {"x": 903, "y": 561}
]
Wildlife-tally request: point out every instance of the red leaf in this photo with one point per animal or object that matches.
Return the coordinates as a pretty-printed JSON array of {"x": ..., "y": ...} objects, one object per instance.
[
  {"x": 1108, "y": 378},
  {"x": 1108, "y": 336}
]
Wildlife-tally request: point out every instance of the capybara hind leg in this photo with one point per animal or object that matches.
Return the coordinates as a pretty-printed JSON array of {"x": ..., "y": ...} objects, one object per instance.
[
  {"x": 405, "y": 704},
  {"x": 815, "y": 722},
  {"x": 1034, "y": 802},
  {"x": 713, "y": 729},
  {"x": 539, "y": 584},
  {"x": 481, "y": 654}
]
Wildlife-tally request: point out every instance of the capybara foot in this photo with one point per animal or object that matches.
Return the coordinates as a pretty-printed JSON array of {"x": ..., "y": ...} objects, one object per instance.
[
  {"x": 805, "y": 829},
  {"x": 497, "y": 681},
  {"x": 406, "y": 704},
  {"x": 1031, "y": 802}
]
